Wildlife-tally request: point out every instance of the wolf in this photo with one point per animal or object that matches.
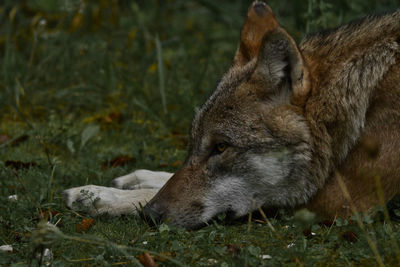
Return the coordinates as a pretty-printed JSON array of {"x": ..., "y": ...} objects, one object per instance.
[{"x": 313, "y": 125}]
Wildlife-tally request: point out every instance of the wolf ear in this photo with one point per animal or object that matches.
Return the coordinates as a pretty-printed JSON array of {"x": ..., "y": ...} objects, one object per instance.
[
  {"x": 279, "y": 59},
  {"x": 259, "y": 21}
]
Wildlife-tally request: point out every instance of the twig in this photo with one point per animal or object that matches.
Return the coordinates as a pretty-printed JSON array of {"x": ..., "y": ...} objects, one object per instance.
[
  {"x": 272, "y": 227},
  {"x": 121, "y": 248},
  {"x": 371, "y": 244}
]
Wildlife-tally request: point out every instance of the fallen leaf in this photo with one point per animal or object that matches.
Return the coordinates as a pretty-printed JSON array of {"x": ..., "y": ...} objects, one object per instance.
[
  {"x": 46, "y": 214},
  {"x": 152, "y": 68},
  {"x": 234, "y": 249},
  {"x": 113, "y": 117},
  {"x": 163, "y": 164},
  {"x": 176, "y": 163},
  {"x": 179, "y": 141},
  {"x": 4, "y": 138},
  {"x": 147, "y": 260},
  {"x": 327, "y": 223},
  {"x": 118, "y": 161},
  {"x": 19, "y": 164},
  {"x": 84, "y": 225},
  {"x": 77, "y": 21},
  {"x": 350, "y": 236}
]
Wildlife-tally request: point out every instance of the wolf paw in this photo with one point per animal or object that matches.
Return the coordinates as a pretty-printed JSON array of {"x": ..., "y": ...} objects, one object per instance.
[
  {"x": 142, "y": 179},
  {"x": 96, "y": 200}
]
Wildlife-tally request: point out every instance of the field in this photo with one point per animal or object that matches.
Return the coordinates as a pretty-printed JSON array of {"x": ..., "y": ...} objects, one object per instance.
[{"x": 93, "y": 89}]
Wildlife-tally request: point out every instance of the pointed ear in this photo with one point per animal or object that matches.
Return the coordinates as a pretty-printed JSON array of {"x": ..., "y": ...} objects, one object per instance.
[
  {"x": 259, "y": 21},
  {"x": 279, "y": 59}
]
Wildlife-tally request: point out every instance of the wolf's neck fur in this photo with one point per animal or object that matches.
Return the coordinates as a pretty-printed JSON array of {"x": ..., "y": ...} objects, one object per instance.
[{"x": 346, "y": 67}]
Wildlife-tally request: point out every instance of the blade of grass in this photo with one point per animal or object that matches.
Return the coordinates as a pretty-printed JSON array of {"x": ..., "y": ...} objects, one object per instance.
[
  {"x": 145, "y": 108},
  {"x": 370, "y": 242},
  {"x": 50, "y": 188},
  {"x": 161, "y": 74},
  {"x": 121, "y": 248},
  {"x": 382, "y": 202}
]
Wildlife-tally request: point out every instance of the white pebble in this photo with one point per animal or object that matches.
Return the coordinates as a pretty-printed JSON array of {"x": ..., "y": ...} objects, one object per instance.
[
  {"x": 47, "y": 256},
  {"x": 13, "y": 197},
  {"x": 6, "y": 248},
  {"x": 266, "y": 257},
  {"x": 290, "y": 245}
]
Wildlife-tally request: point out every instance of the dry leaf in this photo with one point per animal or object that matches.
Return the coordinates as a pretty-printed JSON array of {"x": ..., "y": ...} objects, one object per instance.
[
  {"x": 147, "y": 260},
  {"x": 85, "y": 225},
  {"x": 46, "y": 214},
  {"x": 4, "y": 138},
  {"x": 234, "y": 249},
  {"x": 179, "y": 141},
  {"x": 350, "y": 236},
  {"x": 176, "y": 163},
  {"x": 327, "y": 223},
  {"x": 118, "y": 161},
  {"x": 113, "y": 117},
  {"x": 163, "y": 164}
]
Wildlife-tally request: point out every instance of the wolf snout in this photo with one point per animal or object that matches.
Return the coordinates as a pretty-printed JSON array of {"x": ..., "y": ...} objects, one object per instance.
[{"x": 153, "y": 213}]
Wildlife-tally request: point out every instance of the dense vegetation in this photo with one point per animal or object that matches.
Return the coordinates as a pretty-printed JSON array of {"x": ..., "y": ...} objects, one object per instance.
[{"x": 93, "y": 89}]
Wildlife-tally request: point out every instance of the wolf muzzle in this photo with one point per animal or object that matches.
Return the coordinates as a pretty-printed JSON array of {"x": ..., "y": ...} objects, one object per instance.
[{"x": 153, "y": 214}]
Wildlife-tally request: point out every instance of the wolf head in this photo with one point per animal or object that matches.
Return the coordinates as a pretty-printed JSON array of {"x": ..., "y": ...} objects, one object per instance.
[{"x": 250, "y": 143}]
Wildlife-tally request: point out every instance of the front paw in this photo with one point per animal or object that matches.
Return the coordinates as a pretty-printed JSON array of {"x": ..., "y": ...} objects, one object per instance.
[
  {"x": 96, "y": 200},
  {"x": 92, "y": 199},
  {"x": 142, "y": 179}
]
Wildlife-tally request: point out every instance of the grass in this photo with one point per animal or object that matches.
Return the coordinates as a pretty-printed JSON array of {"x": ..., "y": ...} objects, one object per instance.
[{"x": 91, "y": 90}]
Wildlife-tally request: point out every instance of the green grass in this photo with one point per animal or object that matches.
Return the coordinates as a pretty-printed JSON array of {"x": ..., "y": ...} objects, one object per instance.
[{"x": 82, "y": 85}]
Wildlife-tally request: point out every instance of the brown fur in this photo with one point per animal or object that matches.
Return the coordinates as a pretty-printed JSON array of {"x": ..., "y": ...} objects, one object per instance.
[
  {"x": 329, "y": 56},
  {"x": 332, "y": 59},
  {"x": 360, "y": 169},
  {"x": 318, "y": 104}
]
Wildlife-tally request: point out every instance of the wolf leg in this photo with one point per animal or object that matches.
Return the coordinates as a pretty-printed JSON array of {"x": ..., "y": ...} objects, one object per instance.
[
  {"x": 97, "y": 200},
  {"x": 142, "y": 179}
]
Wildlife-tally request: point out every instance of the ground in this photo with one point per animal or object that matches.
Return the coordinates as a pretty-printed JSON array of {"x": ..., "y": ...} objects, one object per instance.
[{"x": 92, "y": 90}]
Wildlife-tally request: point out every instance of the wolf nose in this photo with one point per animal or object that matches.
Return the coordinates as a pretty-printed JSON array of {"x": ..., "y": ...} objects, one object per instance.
[{"x": 152, "y": 214}]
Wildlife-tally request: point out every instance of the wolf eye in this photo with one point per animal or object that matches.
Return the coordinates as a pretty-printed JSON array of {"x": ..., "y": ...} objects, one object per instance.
[{"x": 220, "y": 148}]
